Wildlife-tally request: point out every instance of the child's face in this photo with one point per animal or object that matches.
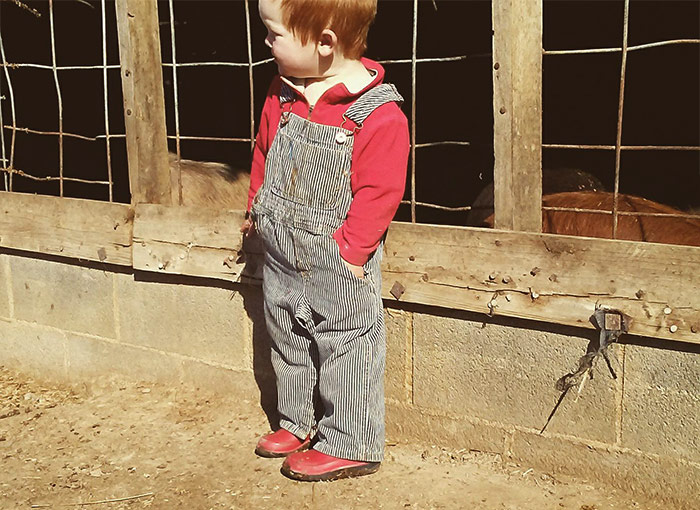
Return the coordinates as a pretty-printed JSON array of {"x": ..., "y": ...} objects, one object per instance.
[{"x": 293, "y": 58}]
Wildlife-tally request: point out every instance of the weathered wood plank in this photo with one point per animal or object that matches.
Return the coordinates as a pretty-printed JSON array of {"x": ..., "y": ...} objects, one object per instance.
[
  {"x": 544, "y": 277},
  {"x": 82, "y": 229},
  {"x": 144, "y": 103},
  {"x": 193, "y": 241},
  {"x": 517, "y": 114},
  {"x": 547, "y": 277}
]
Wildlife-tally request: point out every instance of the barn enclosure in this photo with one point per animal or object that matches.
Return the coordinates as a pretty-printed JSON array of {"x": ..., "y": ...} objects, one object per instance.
[{"x": 104, "y": 270}]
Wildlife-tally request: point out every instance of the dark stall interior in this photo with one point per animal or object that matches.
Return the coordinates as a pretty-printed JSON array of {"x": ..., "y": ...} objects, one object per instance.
[{"x": 453, "y": 99}]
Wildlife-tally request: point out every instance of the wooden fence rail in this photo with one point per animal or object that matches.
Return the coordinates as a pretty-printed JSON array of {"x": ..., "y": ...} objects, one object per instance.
[{"x": 544, "y": 277}]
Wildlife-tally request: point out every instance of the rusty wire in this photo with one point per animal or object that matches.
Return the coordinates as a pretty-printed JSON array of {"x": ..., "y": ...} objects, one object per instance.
[
  {"x": 60, "y": 100},
  {"x": 618, "y": 50},
  {"x": 9, "y": 170},
  {"x": 251, "y": 88},
  {"x": 256, "y": 63},
  {"x": 623, "y": 147},
  {"x": 414, "y": 54},
  {"x": 439, "y": 207},
  {"x": 116, "y": 135},
  {"x": 8, "y": 182},
  {"x": 176, "y": 94},
  {"x": 65, "y": 133},
  {"x": 3, "y": 159},
  {"x": 14, "y": 171},
  {"x": 19, "y": 65},
  {"x": 106, "y": 98},
  {"x": 689, "y": 216},
  {"x": 620, "y": 107}
]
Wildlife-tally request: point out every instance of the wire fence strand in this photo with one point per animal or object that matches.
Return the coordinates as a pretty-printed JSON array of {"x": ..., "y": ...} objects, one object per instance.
[
  {"x": 60, "y": 100},
  {"x": 178, "y": 175},
  {"x": 108, "y": 146},
  {"x": 8, "y": 181},
  {"x": 414, "y": 69},
  {"x": 620, "y": 109},
  {"x": 619, "y": 50},
  {"x": 251, "y": 84}
]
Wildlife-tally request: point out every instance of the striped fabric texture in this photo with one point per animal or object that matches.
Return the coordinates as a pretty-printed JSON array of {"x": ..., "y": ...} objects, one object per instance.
[{"x": 327, "y": 325}]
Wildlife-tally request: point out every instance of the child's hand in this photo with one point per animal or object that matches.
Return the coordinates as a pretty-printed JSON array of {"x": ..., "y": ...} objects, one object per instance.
[
  {"x": 358, "y": 271},
  {"x": 247, "y": 227}
]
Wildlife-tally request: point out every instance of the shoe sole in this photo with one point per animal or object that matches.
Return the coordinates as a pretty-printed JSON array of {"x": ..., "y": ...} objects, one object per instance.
[
  {"x": 349, "y": 472},
  {"x": 269, "y": 454}
]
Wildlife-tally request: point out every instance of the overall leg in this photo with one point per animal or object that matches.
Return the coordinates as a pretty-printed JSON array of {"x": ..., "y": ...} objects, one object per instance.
[
  {"x": 351, "y": 340},
  {"x": 292, "y": 353},
  {"x": 351, "y": 386}
]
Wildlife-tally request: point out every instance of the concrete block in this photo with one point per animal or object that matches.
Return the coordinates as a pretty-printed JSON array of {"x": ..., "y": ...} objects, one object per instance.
[
  {"x": 407, "y": 423},
  {"x": 661, "y": 405},
  {"x": 506, "y": 374},
  {"x": 69, "y": 297},
  {"x": 5, "y": 309},
  {"x": 657, "y": 477},
  {"x": 97, "y": 359},
  {"x": 398, "y": 375},
  {"x": 200, "y": 321},
  {"x": 33, "y": 349}
]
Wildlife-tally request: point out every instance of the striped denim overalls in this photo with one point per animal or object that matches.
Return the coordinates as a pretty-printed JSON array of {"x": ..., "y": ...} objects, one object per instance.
[{"x": 326, "y": 324}]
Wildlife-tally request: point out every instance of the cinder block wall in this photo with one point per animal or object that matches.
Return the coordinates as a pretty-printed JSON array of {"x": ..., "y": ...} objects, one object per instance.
[{"x": 453, "y": 379}]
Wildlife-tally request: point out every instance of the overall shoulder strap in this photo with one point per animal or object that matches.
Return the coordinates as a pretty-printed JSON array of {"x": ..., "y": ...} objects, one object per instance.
[
  {"x": 286, "y": 93},
  {"x": 371, "y": 100}
]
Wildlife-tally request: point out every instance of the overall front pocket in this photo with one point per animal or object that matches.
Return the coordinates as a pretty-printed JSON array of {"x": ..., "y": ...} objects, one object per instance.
[{"x": 306, "y": 173}]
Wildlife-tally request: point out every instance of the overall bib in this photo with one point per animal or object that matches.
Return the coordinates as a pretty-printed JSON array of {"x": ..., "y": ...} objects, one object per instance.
[{"x": 326, "y": 324}]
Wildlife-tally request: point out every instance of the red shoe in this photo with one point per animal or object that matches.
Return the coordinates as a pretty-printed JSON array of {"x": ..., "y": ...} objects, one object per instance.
[
  {"x": 280, "y": 444},
  {"x": 314, "y": 466}
]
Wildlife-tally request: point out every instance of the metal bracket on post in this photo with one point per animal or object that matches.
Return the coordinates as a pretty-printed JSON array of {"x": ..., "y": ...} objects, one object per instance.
[{"x": 612, "y": 324}]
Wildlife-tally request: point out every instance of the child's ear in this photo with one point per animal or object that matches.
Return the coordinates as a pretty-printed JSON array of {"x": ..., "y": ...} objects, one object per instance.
[{"x": 327, "y": 42}]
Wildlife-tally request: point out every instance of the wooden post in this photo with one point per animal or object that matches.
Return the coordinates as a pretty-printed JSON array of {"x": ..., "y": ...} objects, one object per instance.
[
  {"x": 144, "y": 102},
  {"x": 517, "y": 113}
]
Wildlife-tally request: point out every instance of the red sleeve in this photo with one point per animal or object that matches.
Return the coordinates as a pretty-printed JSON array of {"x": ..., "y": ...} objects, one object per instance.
[
  {"x": 379, "y": 164},
  {"x": 266, "y": 132}
]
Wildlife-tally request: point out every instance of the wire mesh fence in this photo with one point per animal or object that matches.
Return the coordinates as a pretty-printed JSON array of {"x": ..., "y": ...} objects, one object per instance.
[
  {"x": 618, "y": 147},
  {"x": 216, "y": 70},
  {"x": 180, "y": 132},
  {"x": 25, "y": 123},
  {"x": 257, "y": 57}
]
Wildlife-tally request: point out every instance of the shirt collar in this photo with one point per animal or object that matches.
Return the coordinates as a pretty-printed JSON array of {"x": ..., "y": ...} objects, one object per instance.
[{"x": 339, "y": 93}]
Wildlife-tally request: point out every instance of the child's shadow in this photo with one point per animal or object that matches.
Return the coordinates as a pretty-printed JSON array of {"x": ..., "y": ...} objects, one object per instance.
[{"x": 252, "y": 295}]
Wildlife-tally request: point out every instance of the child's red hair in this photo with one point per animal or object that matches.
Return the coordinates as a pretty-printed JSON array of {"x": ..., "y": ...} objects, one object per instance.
[{"x": 349, "y": 19}]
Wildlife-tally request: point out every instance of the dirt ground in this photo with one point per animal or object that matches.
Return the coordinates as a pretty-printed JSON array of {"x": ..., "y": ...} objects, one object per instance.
[{"x": 179, "y": 447}]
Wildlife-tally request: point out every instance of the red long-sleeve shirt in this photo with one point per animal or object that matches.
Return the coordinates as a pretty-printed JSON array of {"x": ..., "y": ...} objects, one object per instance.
[{"x": 379, "y": 160}]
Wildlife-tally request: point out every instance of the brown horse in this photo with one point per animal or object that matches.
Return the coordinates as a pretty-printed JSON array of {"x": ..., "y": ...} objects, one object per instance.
[{"x": 657, "y": 229}]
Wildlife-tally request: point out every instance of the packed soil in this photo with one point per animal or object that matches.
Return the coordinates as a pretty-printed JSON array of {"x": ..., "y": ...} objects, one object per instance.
[{"x": 124, "y": 445}]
